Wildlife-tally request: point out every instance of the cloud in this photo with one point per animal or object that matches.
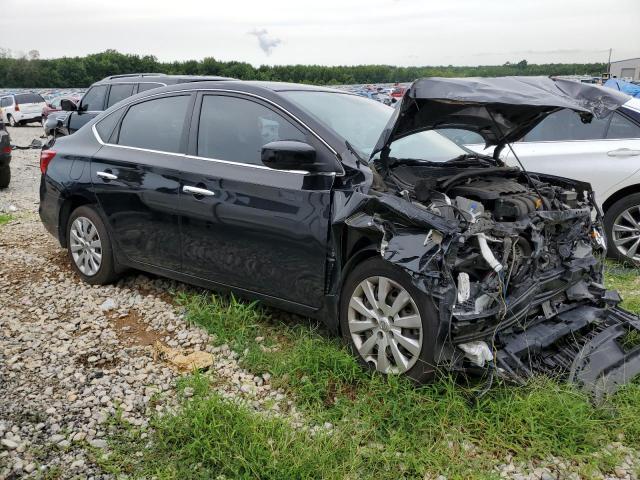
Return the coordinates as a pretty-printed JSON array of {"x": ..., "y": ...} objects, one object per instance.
[{"x": 266, "y": 42}]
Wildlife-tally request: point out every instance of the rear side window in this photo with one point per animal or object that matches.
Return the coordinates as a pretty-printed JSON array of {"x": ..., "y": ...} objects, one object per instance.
[
  {"x": 93, "y": 100},
  {"x": 119, "y": 92},
  {"x": 235, "y": 129},
  {"x": 106, "y": 126},
  {"x": 6, "y": 102},
  {"x": 155, "y": 124},
  {"x": 29, "y": 98},
  {"x": 143, "y": 87},
  {"x": 622, "y": 127},
  {"x": 566, "y": 125}
]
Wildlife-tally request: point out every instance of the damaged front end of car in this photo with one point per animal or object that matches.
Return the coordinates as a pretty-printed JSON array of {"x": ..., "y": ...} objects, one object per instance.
[{"x": 513, "y": 260}]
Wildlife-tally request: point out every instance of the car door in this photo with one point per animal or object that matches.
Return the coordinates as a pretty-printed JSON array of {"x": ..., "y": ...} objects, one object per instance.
[
  {"x": 92, "y": 104},
  {"x": 136, "y": 178},
  {"x": 565, "y": 146},
  {"x": 244, "y": 224}
]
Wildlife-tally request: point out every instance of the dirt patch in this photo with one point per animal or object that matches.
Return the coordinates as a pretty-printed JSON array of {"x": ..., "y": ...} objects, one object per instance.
[{"x": 132, "y": 330}]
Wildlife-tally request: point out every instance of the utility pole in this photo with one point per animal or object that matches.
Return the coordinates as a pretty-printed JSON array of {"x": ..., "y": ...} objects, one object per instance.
[{"x": 609, "y": 63}]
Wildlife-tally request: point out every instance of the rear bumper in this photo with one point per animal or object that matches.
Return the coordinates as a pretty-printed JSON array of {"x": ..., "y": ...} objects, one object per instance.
[
  {"x": 595, "y": 348},
  {"x": 50, "y": 207},
  {"x": 27, "y": 116}
]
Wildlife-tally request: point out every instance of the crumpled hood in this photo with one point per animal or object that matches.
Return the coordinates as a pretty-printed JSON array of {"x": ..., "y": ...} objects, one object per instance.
[{"x": 501, "y": 110}]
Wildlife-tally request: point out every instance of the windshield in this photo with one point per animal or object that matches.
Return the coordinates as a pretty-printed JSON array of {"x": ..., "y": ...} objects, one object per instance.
[{"x": 360, "y": 121}]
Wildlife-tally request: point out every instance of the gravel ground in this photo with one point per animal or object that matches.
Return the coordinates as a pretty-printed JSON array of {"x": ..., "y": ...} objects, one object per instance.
[{"x": 71, "y": 354}]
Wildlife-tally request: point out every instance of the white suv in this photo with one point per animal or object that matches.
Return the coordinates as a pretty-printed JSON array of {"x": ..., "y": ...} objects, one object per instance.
[{"x": 21, "y": 108}]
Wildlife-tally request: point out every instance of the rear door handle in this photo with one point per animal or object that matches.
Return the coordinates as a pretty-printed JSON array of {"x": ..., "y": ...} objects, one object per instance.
[
  {"x": 107, "y": 175},
  {"x": 198, "y": 191},
  {"x": 623, "y": 152}
]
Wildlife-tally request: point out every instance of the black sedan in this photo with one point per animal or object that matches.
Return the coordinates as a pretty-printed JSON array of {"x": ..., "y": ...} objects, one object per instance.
[{"x": 420, "y": 253}]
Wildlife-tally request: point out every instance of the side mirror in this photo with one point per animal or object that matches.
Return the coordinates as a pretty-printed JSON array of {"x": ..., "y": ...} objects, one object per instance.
[
  {"x": 289, "y": 155},
  {"x": 68, "y": 105}
]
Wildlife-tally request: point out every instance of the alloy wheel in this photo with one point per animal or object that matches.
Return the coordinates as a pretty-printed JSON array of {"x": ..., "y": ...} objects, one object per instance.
[
  {"x": 385, "y": 325},
  {"x": 85, "y": 245},
  {"x": 626, "y": 233}
]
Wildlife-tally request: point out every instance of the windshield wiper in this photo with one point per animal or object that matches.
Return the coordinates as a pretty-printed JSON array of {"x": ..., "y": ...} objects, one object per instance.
[{"x": 473, "y": 159}]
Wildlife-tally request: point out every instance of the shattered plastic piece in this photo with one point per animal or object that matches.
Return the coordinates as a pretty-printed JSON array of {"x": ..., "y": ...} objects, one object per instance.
[
  {"x": 197, "y": 360},
  {"x": 477, "y": 352}
]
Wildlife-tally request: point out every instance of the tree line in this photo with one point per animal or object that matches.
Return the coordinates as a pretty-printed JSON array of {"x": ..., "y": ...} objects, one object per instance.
[{"x": 30, "y": 70}]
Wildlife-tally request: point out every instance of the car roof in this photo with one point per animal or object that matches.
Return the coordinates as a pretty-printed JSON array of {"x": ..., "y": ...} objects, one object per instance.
[
  {"x": 243, "y": 85},
  {"x": 157, "y": 78}
]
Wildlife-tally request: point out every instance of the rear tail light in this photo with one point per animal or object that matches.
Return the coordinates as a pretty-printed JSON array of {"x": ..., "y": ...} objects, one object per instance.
[
  {"x": 17, "y": 107},
  {"x": 45, "y": 159},
  {"x": 6, "y": 150}
]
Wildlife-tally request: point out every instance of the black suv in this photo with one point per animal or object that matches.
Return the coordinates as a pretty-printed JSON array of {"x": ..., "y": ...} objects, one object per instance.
[
  {"x": 5, "y": 157},
  {"x": 109, "y": 91},
  {"x": 422, "y": 254}
]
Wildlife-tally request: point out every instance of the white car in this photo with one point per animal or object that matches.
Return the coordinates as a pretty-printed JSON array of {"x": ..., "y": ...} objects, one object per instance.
[
  {"x": 605, "y": 153},
  {"x": 21, "y": 108}
]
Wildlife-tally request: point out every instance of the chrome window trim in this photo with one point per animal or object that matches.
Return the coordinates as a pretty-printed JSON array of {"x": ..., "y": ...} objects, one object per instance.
[
  {"x": 195, "y": 157},
  {"x": 225, "y": 90}
]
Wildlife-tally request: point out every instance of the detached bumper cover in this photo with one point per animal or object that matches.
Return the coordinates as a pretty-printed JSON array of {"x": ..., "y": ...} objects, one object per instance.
[{"x": 592, "y": 347}]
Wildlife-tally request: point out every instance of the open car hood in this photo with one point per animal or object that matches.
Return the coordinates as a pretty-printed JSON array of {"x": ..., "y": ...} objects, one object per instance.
[{"x": 501, "y": 110}]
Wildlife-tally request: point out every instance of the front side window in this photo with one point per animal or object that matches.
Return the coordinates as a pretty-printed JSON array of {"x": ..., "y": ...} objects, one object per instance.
[
  {"x": 622, "y": 127},
  {"x": 566, "y": 125},
  {"x": 235, "y": 129},
  {"x": 55, "y": 103},
  {"x": 119, "y": 92},
  {"x": 155, "y": 124},
  {"x": 93, "y": 100}
]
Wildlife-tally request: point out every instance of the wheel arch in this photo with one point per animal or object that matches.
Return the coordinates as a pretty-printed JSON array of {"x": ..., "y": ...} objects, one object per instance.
[
  {"x": 619, "y": 195},
  {"x": 69, "y": 205}
]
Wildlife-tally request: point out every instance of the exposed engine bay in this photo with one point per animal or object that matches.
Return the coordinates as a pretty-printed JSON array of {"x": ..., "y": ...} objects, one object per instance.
[{"x": 518, "y": 274}]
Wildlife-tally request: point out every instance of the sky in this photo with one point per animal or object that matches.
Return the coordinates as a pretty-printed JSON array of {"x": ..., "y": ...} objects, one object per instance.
[{"x": 329, "y": 32}]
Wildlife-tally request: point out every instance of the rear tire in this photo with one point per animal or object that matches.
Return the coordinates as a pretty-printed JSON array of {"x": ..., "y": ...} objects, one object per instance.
[
  {"x": 5, "y": 176},
  {"x": 406, "y": 334},
  {"x": 89, "y": 247},
  {"x": 12, "y": 121},
  {"x": 622, "y": 228}
]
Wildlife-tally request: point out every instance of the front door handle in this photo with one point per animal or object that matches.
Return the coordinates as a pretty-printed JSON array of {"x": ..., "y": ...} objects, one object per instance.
[
  {"x": 198, "y": 191},
  {"x": 107, "y": 175},
  {"x": 623, "y": 152}
]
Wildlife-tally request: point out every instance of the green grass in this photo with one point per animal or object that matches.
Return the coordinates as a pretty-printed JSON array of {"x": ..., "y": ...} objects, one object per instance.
[
  {"x": 5, "y": 218},
  {"x": 384, "y": 428}
]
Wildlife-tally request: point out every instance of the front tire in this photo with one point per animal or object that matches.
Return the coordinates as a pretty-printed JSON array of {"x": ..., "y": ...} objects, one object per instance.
[
  {"x": 89, "y": 247},
  {"x": 390, "y": 325},
  {"x": 622, "y": 228},
  {"x": 5, "y": 176}
]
